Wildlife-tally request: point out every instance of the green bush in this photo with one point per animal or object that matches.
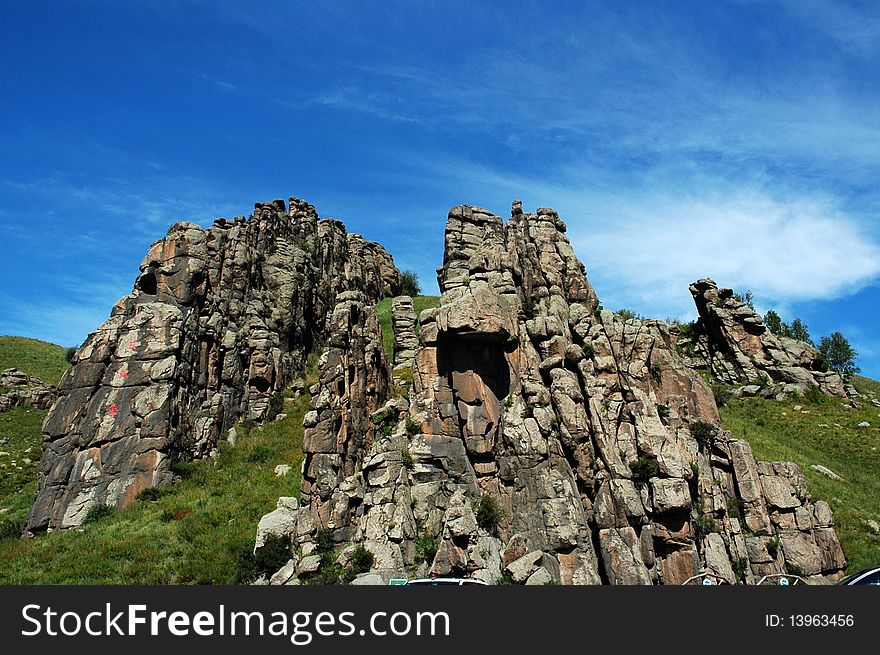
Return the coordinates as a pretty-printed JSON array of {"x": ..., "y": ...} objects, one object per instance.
[
  {"x": 69, "y": 354},
  {"x": 151, "y": 494},
  {"x": 589, "y": 350},
  {"x": 184, "y": 470},
  {"x": 688, "y": 330},
  {"x": 426, "y": 548},
  {"x": 773, "y": 546},
  {"x": 663, "y": 412},
  {"x": 324, "y": 541},
  {"x": 488, "y": 513},
  {"x": 814, "y": 395},
  {"x": 722, "y": 395},
  {"x": 703, "y": 432},
  {"x": 506, "y": 579},
  {"x": 794, "y": 569},
  {"x": 362, "y": 560},
  {"x": 644, "y": 468},
  {"x": 703, "y": 525},
  {"x": 385, "y": 423},
  {"x": 413, "y": 427},
  {"x": 10, "y": 529},
  {"x": 98, "y": 512},
  {"x": 740, "y": 568},
  {"x": 406, "y": 459},
  {"x": 276, "y": 405},
  {"x": 271, "y": 556},
  {"x": 735, "y": 507},
  {"x": 260, "y": 454}
]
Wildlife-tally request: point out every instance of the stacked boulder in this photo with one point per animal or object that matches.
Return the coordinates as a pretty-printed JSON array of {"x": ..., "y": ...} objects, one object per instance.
[
  {"x": 543, "y": 440},
  {"x": 403, "y": 324},
  {"x": 218, "y": 322}
]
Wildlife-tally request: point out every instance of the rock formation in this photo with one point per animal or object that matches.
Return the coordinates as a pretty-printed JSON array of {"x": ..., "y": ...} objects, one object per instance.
[
  {"x": 403, "y": 323},
  {"x": 25, "y": 391},
  {"x": 218, "y": 322},
  {"x": 541, "y": 440},
  {"x": 733, "y": 342}
]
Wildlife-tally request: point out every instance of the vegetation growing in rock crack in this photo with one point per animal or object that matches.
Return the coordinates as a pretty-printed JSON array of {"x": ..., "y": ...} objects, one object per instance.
[
  {"x": 488, "y": 513},
  {"x": 413, "y": 427},
  {"x": 385, "y": 423},
  {"x": 426, "y": 548},
  {"x": 644, "y": 468},
  {"x": 702, "y": 524},
  {"x": 703, "y": 432}
]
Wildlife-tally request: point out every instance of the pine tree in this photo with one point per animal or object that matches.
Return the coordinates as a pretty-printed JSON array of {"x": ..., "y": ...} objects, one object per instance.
[
  {"x": 799, "y": 331},
  {"x": 773, "y": 322}
]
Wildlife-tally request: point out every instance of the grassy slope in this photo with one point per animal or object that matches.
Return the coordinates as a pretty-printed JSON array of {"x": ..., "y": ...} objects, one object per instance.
[
  {"x": 20, "y": 446},
  {"x": 777, "y": 432},
  {"x": 383, "y": 311},
  {"x": 34, "y": 357},
  {"x": 200, "y": 530}
]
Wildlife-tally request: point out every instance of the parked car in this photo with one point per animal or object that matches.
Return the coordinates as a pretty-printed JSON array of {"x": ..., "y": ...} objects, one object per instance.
[
  {"x": 781, "y": 580},
  {"x": 706, "y": 580},
  {"x": 868, "y": 577},
  {"x": 442, "y": 582}
]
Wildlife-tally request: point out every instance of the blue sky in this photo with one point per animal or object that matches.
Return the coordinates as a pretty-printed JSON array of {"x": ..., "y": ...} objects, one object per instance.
[{"x": 735, "y": 140}]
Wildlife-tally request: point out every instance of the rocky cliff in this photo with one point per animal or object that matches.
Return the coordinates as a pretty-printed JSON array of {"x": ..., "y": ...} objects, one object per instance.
[
  {"x": 218, "y": 321},
  {"x": 539, "y": 441}
]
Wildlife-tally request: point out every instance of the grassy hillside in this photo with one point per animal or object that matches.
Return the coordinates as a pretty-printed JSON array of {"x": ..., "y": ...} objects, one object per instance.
[
  {"x": 823, "y": 431},
  {"x": 383, "y": 311},
  {"x": 201, "y": 530},
  {"x": 34, "y": 357},
  {"x": 20, "y": 451}
]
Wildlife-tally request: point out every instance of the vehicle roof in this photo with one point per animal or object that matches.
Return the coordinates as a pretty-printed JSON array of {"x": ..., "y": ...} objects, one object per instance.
[
  {"x": 860, "y": 574},
  {"x": 447, "y": 580}
]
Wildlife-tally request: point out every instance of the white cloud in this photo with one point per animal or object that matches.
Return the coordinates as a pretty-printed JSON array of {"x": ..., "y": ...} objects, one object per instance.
[{"x": 648, "y": 248}]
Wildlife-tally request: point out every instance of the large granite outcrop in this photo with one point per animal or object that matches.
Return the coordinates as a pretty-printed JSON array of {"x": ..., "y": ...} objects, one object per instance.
[
  {"x": 733, "y": 342},
  {"x": 542, "y": 440},
  {"x": 217, "y": 323}
]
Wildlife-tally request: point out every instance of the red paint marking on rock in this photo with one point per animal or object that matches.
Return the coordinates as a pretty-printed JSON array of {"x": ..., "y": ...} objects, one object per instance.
[{"x": 113, "y": 410}]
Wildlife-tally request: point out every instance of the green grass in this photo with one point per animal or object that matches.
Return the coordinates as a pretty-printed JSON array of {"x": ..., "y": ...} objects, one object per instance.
[
  {"x": 198, "y": 531},
  {"x": 34, "y": 357},
  {"x": 19, "y": 467},
  {"x": 383, "y": 312},
  {"x": 777, "y": 432}
]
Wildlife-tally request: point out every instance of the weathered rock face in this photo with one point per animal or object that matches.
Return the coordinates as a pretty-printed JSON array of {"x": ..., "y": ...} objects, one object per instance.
[
  {"x": 218, "y": 321},
  {"x": 542, "y": 440},
  {"x": 733, "y": 342},
  {"x": 403, "y": 322},
  {"x": 25, "y": 391}
]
